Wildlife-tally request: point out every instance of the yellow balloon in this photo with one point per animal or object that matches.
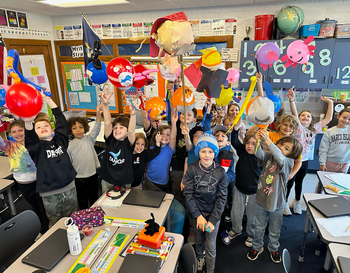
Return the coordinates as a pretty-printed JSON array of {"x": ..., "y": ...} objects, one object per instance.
[
  {"x": 226, "y": 96},
  {"x": 245, "y": 103},
  {"x": 211, "y": 56}
]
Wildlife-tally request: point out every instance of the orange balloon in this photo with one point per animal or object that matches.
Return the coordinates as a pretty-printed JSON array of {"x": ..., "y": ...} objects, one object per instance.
[
  {"x": 156, "y": 108},
  {"x": 178, "y": 99}
]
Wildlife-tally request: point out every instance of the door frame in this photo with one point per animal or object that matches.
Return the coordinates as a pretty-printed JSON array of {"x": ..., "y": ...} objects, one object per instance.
[{"x": 10, "y": 43}]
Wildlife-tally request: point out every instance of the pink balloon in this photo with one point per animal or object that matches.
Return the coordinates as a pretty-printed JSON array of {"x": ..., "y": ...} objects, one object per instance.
[
  {"x": 267, "y": 54},
  {"x": 233, "y": 75}
]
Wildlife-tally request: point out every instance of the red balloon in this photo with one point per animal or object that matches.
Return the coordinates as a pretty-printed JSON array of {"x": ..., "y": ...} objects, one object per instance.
[
  {"x": 121, "y": 73},
  {"x": 24, "y": 100},
  {"x": 140, "y": 83}
]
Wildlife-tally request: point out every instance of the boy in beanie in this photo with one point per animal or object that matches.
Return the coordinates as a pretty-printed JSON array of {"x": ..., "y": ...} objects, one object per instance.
[{"x": 206, "y": 193}]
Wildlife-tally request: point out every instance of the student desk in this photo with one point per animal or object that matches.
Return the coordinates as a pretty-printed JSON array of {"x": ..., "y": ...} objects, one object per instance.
[
  {"x": 6, "y": 184},
  {"x": 311, "y": 215},
  {"x": 65, "y": 264},
  {"x": 336, "y": 250},
  {"x": 324, "y": 181},
  {"x": 142, "y": 213}
]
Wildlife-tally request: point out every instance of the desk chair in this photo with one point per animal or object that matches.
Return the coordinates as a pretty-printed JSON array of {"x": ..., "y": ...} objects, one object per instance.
[
  {"x": 286, "y": 260},
  {"x": 187, "y": 260},
  {"x": 17, "y": 235}
]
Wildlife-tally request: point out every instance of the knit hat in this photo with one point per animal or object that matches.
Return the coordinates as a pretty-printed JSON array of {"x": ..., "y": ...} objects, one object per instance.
[
  {"x": 218, "y": 128},
  {"x": 207, "y": 140},
  {"x": 195, "y": 129}
]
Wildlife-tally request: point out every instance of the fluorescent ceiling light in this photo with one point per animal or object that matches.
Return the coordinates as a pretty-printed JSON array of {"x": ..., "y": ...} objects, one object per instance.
[{"x": 81, "y": 3}]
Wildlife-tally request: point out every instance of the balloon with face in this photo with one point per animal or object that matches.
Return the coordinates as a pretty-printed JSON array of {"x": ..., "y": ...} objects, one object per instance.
[
  {"x": 178, "y": 99},
  {"x": 267, "y": 54},
  {"x": 298, "y": 52},
  {"x": 156, "y": 108},
  {"x": 120, "y": 72}
]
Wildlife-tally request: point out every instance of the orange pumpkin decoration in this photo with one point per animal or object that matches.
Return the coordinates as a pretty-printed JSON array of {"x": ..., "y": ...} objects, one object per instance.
[
  {"x": 178, "y": 99},
  {"x": 156, "y": 108}
]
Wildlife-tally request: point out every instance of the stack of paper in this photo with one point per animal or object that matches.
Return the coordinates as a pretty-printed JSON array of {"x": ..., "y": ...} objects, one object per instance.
[
  {"x": 336, "y": 226},
  {"x": 340, "y": 181}
]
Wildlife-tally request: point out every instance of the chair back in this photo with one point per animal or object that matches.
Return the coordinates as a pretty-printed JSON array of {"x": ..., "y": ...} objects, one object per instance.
[
  {"x": 286, "y": 260},
  {"x": 187, "y": 260},
  {"x": 17, "y": 235}
]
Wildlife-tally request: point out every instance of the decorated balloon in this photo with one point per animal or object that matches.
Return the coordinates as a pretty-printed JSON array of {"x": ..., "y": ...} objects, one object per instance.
[
  {"x": 142, "y": 76},
  {"x": 178, "y": 99},
  {"x": 97, "y": 76},
  {"x": 156, "y": 108},
  {"x": 298, "y": 52},
  {"x": 3, "y": 90},
  {"x": 233, "y": 75},
  {"x": 24, "y": 100},
  {"x": 121, "y": 72},
  {"x": 267, "y": 54},
  {"x": 271, "y": 96},
  {"x": 226, "y": 96}
]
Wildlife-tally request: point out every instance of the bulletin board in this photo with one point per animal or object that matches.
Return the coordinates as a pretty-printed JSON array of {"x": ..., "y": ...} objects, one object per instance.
[
  {"x": 157, "y": 89},
  {"x": 79, "y": 94}
]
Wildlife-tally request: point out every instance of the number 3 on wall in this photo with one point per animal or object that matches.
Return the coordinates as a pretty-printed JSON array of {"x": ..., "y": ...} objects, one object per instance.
[{"x": 251, "y": 66}]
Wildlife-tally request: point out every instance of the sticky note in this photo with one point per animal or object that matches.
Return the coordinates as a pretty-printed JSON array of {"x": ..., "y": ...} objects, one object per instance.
[{"x": 34, "y": 71}]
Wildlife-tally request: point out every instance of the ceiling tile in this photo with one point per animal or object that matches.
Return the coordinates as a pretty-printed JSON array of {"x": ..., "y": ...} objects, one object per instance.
[
  {"x": 193, "y": 3},
  {"x": 155, "y": 5},
  {"x": 121, "y": 7}
]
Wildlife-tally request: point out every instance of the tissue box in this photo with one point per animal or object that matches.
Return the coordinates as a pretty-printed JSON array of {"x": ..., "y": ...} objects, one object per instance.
[
  {"x": 151, "y": 241},
  {"x": 74, "y": 113}
]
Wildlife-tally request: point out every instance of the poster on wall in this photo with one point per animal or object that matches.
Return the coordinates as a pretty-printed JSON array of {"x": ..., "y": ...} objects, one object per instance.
[
  {"x": 12, "y": 18},
  {"x": 107, "y": 30},
  {"x": 98, "y": 30},
  {"x": 59, "y": 35},
  {"x": 117, "y": 30},
  {"x": 34, "y": 69},
  {"x": 68, "y": 32},
  {"x": 22, "y": 20},
  {"x": 3, "y": 20},
  {"x": 79, "y": 94},
  {"x": 77, "y": 32}
]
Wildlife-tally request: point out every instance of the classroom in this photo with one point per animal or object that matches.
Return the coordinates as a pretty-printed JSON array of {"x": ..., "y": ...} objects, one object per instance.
[{"x": 174, "y": 136}]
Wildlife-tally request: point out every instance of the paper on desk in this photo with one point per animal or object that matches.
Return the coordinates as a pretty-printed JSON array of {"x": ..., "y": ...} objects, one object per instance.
[
  {"x": 336, "y": 226},
  {"x": 106, "y": 202},
  {"x": 340, "y": 178}
]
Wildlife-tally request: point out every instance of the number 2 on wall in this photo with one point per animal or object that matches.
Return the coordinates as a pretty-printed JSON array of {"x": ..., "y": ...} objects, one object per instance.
[
  {"x": 251, "y": 66},
  {"x": 347, "y": 75}
]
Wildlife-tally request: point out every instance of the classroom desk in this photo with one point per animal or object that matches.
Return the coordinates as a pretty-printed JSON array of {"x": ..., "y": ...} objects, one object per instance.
[
  {"x": 324, "y": 181},
  {"x": 311, "y": 215},
  {"x": 336, "y": 250},
  {"x": 65, "y": 264},
  {"x": 142, "y": 213},
  {"x": 6, "y": 184}
]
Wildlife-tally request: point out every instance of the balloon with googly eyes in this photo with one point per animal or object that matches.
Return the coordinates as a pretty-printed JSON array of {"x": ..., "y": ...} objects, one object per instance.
[
  {"x": 299, "y": 52},
  {"x": 121, "y": 73}
]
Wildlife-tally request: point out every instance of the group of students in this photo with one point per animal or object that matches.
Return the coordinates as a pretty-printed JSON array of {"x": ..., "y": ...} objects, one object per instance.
[{"x": 215, "y": 173}]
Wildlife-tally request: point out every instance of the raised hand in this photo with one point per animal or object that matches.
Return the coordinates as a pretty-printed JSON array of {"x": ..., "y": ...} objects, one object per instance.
[{"x": 291, "y": 95}]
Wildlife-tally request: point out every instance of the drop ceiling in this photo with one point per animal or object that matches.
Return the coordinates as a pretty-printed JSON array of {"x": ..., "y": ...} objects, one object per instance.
[{"x": 134, "y": 5}]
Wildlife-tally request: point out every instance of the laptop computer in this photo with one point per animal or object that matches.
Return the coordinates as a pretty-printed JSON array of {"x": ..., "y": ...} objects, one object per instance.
[
  {"x": 332, "y": 207},
  {"x": 50, "y": 252},
  {"x": 144, "y": 198},
  {"x": 140, "y": 263},
  {"x": 344, "y": 264}
]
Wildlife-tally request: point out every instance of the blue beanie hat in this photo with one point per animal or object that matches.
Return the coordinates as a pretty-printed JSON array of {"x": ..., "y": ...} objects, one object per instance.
[{"x": 207, "y": 140}]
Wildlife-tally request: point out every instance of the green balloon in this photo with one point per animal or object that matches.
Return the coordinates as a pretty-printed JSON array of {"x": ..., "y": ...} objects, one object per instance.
[{"x": 289, "y": 19}]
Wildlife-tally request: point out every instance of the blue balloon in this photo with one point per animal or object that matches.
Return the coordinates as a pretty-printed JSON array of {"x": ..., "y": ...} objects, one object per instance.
[
  {"x": 276, "y": 102},
  {"x": 97, "y": 76},
  {"x": 2, "y": 96}
]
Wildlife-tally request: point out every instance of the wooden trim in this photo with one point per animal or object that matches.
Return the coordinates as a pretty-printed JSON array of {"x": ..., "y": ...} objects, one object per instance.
[{"x": 58, "y": 63}]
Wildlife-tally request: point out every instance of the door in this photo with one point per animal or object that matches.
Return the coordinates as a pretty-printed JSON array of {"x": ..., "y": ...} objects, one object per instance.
[{"x": 38, "y": 47}]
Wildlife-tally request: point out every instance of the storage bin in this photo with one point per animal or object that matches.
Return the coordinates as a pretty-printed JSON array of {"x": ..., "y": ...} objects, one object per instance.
[
  {"x": 342, "y": 30},
  {"x": 327, "y": 27},
  {"x": 307, "y": 30},
  {"x": 74, "y": 113},
  {"x": 336, "y": 93}
]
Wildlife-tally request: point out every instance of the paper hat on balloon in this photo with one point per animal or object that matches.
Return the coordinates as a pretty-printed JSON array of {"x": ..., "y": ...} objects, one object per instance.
[
  {"x": 171, "y": 34},
  {"x": 211, "y": 57},
  {"x": 212, "y": 81},
  {"x": 193, "y": 72},
  {"x": 261, "y": 111},
  {"x": 171, "y": 68}
]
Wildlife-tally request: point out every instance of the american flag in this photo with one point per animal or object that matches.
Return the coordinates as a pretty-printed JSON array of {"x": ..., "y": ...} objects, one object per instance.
[{"x": 4, "y": 78}]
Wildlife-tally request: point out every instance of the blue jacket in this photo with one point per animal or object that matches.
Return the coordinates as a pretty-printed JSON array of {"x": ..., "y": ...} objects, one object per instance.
[{"x": 225, "y": 159}]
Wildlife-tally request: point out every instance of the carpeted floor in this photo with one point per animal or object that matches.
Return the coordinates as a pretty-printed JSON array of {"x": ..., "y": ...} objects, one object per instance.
[{"x": 233, "y": 258}]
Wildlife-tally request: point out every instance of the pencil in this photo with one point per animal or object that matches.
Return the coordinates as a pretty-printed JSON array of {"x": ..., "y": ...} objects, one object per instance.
[{"x": 347, "y": 228}]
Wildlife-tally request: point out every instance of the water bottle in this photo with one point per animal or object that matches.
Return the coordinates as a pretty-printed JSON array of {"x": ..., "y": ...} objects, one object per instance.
[{"x": 73, "y": 236}]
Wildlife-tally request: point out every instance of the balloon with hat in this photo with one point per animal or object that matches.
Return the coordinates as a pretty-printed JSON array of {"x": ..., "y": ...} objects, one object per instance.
[
  {"x": 226, "y": 96},
  {"x": 121, "y": 73},
  {"x": 156, "y": 108},
  {"x": 142, "y": 76}
]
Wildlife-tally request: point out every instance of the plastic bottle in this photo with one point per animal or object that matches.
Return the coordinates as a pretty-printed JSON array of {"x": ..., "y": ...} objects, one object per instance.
[{"x": 74, "y": 240}]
